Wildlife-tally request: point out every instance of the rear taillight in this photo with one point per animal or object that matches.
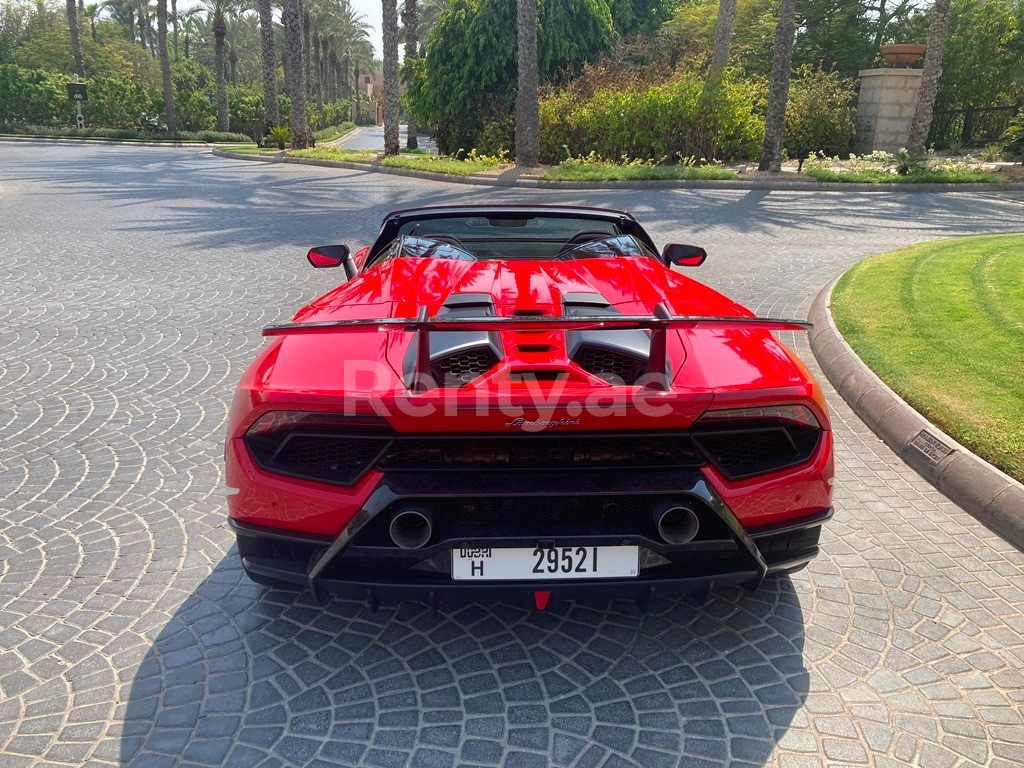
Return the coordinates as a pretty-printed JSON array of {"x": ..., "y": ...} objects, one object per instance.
[
  {"x": 326, "y": 447},
  {"x": 743, "y": 442},
  {"x": 799, "y": 415}
]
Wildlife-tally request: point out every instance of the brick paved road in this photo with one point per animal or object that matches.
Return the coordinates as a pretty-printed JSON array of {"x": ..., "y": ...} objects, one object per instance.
[{"x": 133, "y": 283}]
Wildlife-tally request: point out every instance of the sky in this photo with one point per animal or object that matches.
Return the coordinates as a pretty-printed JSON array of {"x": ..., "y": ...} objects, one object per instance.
[{"x": 371, "y": 10}]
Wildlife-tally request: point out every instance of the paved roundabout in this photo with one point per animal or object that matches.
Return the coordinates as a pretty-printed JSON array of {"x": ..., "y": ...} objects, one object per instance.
[{"x": 133, "y": 284}]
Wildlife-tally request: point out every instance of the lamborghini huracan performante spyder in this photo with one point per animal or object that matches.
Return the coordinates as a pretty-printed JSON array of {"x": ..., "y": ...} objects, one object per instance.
[{"x": 509, "y": 402}]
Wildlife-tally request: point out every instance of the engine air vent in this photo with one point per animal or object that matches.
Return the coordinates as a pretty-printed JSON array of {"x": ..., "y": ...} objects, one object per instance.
[
  {"x": 460, "y": 368},
  {"x": 610, "y": 365}
]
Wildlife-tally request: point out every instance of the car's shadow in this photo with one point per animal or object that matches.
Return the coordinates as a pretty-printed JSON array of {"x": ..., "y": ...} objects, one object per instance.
[{"x": 243, "y": 676}]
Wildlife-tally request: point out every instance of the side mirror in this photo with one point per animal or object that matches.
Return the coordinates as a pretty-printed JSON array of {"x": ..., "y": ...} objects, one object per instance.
[
  {"x": 684, "y": 255},
  {"x": 325, "y": 256}
]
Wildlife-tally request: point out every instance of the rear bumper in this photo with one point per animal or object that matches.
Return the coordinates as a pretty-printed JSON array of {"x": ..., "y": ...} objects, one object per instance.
[{"x": 323, "y": 563}]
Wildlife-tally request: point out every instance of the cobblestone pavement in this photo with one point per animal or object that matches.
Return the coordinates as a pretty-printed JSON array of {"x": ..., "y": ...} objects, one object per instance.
[{"x": 133, "y": 284}]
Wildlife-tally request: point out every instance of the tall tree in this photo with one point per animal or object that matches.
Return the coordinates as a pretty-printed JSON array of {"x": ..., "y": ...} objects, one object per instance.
[
  {"x": 391, "y": 105},
  {"x": 527, "y": 92},
  {"x": 778, "y": 90},
  {"x": 307, "y": 50},
  {"x": 91, "y": 12},
  {"x": 216, "y": 9},
  {"x": 938, "y": 29},
  {"x": 268, "y": 58},
  {"x": 76, "y": 39},
  {"x": 293, "y": 49},
  {"x": 174, "y": 25},
  {"x": 723, "y": 35},
  {"x": 410, "y": 20},
  {"x": 165, "y": 65}
]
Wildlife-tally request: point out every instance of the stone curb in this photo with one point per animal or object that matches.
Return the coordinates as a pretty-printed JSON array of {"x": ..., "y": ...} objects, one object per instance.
[
  {"x": 994, "y": 498},
  {"x": 110, "y": 142},
  {"x": 762, "y": 184}
]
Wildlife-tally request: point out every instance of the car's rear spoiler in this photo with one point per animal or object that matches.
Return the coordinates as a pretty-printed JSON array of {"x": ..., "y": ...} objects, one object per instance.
[{"x": 658, "y": 323}]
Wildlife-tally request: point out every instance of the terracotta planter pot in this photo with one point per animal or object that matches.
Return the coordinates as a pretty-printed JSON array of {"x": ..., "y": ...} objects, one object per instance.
[{"x": 902, "y": 54}]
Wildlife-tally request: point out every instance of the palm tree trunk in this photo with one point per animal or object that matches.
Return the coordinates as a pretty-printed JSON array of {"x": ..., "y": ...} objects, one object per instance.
[
  {"x": 165, "y": 66},
  {"x": 723, "y": 35},
  {"x": 220, "y": 30},
  {"x": 527, "y": 99},
  {"x": 301, "y": 137},
  {"x": 938, "y": 29},
  {"x": 307, "y": 54},
  {"x": 410, "y": 20},
  {"x": 355, "y": 95},
  {"x": 269, "y": 58},
  {"x": 76, "y": 40},
  {"x": 131, "y": 24},
  {"x": 778, "y": 90},
  {"x": 389, "y": 25},
  {"x": 187, "y": 41},
  {"x": 174, "y": 25},
  {"x": 319, "y": 65}
]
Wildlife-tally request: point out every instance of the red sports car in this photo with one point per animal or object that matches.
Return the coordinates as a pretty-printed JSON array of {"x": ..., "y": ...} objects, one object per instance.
[{"x": 511, "y": 400}]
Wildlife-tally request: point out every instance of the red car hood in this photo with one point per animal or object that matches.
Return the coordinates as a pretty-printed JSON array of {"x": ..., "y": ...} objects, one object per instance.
[{"x": 708, "y": 364}]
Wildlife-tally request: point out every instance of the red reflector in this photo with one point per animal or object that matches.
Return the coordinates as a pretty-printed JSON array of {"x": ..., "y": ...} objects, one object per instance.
[{"x": 540, "y": 599}]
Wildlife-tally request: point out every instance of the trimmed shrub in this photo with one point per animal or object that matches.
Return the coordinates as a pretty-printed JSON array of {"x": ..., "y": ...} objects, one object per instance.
[
  {"x": 819, "y": 114},
  {"x": 1013, "y": 139},
  {"x": 685, "y": 118},
  {"x": 124, "y": 134}
]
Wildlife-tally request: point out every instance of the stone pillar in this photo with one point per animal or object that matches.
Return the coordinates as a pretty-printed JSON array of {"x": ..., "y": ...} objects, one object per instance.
[{"x": 885, "y": 108}]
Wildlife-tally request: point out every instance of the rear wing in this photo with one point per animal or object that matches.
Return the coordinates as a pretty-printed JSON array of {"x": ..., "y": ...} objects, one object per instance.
[{"x": 659, "y": 323}]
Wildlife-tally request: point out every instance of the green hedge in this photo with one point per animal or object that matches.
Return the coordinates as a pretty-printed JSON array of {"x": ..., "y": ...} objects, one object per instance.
[
  {"x": 124, "y": 134},
  {"x": 40, "y": 98},
  {"x": 684, "y": 118}
]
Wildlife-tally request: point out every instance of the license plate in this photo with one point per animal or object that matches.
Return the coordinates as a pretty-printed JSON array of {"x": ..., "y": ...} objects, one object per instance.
[{"x": 531, "y": 563}]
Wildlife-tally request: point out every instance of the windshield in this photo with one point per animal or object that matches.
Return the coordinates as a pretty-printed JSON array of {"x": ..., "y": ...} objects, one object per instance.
[
  {"x": 521, "y": 237},
  {"x": 441, "y": 246},
  {"x": 482, "y": 237}
]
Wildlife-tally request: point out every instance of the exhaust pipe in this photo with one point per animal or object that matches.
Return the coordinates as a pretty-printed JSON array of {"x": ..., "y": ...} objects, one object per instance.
[
  {"x": 676, "y": 522},
  {"x": 411, "y": 528}
]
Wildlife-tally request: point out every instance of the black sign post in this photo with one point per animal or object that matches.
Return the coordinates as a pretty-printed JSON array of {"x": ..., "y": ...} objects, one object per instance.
[{"x": 77, "y": 94}]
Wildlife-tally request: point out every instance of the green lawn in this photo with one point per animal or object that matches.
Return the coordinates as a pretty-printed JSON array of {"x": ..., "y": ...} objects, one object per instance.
[
  {"x": 943, "y": 325},
  {"x": 933, "y": 176},
  {"x": 253, "y": 150},
  {"x": 614, "y": 172},
  {"x": 333, "y": 153},
  {"x": 439, "y": 164}
]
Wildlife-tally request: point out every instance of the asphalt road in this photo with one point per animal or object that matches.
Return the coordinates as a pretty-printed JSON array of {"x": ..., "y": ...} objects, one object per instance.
[
  {"x": 133, "y": 285},
  {"x": 372, "y": 137}
]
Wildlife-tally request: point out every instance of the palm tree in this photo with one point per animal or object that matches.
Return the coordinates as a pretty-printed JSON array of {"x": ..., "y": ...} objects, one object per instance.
[
  {"x": 76, "y": 40},
  {"x": 216, "y": 10},
  {"x": 301, "y": 136},
  {"x": 190, "y": 28},
  {"x": 410, "y": 22},
  {"x": 174, "y": 24},
  {"x": 307, "y": 49},
  {"x": 527, "y": 98},
  {"x": 938, "y": 29},
  {"x": 391, "y": 106},
  {"x": 778, "y": 90},
  {"x": 165, "y": 65},
  {"x": 723, "y": 35},
  {"x": 91, "y": 12},
  {"x": 268, "y": 57}
]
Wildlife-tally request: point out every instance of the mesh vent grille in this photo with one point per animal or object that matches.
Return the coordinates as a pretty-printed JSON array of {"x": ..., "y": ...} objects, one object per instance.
[
  {"x": 460, "y": 368},
  {"x": 609, "y": 365}
]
